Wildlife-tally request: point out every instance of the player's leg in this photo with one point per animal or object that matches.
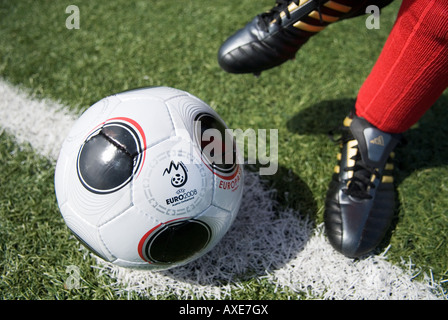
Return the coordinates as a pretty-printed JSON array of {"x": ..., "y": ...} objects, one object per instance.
[{"x": 409, "y": 76}]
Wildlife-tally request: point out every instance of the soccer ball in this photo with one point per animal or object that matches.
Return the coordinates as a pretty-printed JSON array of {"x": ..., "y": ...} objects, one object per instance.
[{"x": 149, "y": 178}]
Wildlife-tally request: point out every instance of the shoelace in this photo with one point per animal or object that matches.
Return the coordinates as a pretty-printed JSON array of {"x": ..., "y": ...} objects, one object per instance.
[
  {"x": 282, "y": 6},
  {"x": 361, "y": 181}
]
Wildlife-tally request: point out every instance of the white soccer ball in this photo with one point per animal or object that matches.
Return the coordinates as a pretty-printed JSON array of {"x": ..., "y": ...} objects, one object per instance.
[{"x": 149, "y": 178}]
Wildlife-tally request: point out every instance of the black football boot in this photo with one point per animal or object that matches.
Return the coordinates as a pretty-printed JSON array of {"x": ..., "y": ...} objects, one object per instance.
[
  {"x": 360, "y": 200},
  {"x": 274, "y": 37}
]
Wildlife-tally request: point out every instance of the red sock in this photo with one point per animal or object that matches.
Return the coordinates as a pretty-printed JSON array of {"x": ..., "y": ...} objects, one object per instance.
[{"x": 412, "y": 70}]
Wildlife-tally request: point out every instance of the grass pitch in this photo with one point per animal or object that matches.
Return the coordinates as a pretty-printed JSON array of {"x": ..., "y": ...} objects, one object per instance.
[{"x": 127, "y": 44}]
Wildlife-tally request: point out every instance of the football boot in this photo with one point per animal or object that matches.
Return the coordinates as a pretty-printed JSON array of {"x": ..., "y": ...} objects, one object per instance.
[
  {"x": 359, "y": 206},
  {"x": 274, "y": 37}
]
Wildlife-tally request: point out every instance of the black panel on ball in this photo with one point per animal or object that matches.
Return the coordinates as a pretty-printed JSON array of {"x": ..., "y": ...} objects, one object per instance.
[
  {"x": 104, "y": 165},
  {"x": 226, "y": 142},
  {"x": 179, "y": 241},
  {"x": 123, "y": 137},
  {"x": 109, "y": 158}
]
